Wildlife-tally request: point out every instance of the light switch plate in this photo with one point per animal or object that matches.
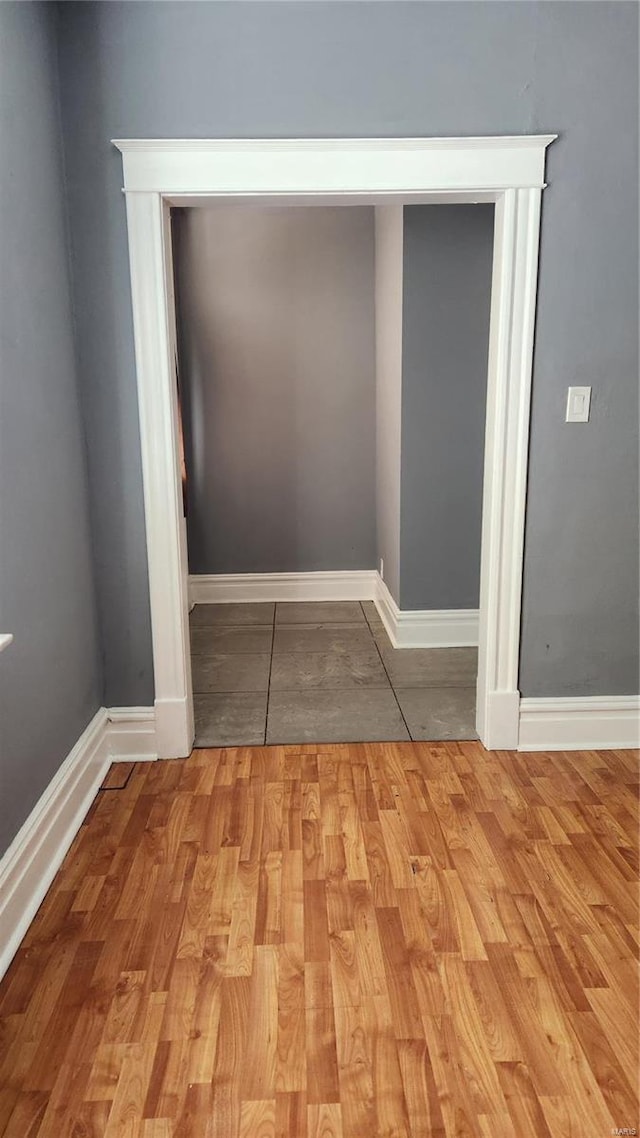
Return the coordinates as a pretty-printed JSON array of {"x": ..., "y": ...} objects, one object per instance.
[{"x": 578, "y": 403}]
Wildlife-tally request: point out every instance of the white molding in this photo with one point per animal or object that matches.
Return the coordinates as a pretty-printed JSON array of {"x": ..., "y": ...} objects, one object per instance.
[
  {"x": 332, "y": 166},
  {"x": 387, "y": 609},
  {"x": 30, "y": 864},
  {"x": 151, "y": 275},
  {"x": 131, "y": 734},
  {"x": 426, "y": 628},
  {"x": 498, "y": 711},
  {"x": 222, "y": 588},
  {"x": 507, "y": 170},
  {"x": 175, "y": 730},
  {"x": 6, "y": 638},
  {"x": 582, "y": 723},
  {"x": 35, "y": 855},
  {"x": 513, "y": 300}
]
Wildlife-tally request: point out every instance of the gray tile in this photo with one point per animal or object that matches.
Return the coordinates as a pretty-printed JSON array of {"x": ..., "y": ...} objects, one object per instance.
[
  {"x": 232, "y": 614},
  {"x": 240, "y": 672},
  {"x": 334, "y": 717},
  {"x": 324, "y": 638},
  {"x": 430, "y": 667},
  {"x": 319, "y": 612},
  {"x": 230, "y": 641},
  {"x": 379, "y": 633},
  {"x": 230, "y": 720},
  {"x": 439, "y": 713},
  {"x": 298, "y": 671},
  {"x": 371, "y": 614}
]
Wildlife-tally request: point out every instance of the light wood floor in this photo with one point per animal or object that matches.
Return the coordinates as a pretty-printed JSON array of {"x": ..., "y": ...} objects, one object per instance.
[{"x": 381, "y": 939}]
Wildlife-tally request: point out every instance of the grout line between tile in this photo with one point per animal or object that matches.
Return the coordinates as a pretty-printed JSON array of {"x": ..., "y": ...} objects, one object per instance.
[
  {"x": 273, "y": 638},
  {"x": 395, "y": 696}
]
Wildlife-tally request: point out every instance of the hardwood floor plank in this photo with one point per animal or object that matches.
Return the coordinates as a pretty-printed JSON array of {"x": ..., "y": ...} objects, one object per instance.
[
  {"x": 129, "y": 1098},
  {"x": 605, "y": 1064},
  {"x": 345, "y": 974},
  {"x": 292, "y": 903},
  {"x": 370, "y": 960},
  {"x": 324, "y": 1120},
  {"x": 203, "y": 1037},
  {"x": 291, "y": 1042},
  {"x": 322, "y": 1062},
  {"x": 497, "y": 1028},
  {"x": 355, "y": 1035},
  {"x": 409, "y": 940},
  {"x": 243, "y": 920},
  {"x": 316, "y": 929},
  {"x": 269, "y": 902},
  {"x": 291, "y": 1112},
  {"x": 523, "y": 1103},
  {"x": 339, "y": 903},
  {"x": 423, "y": 1105},
  {"x": 258, "y": 1119},
  {"x": 262, "y": 1040},
  {"x": 229, "y": 1067},
  {"x": 401, "y": 990}
]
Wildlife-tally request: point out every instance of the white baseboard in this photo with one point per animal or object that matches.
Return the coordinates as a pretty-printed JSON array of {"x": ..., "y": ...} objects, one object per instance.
[
  {"x": 581, "y": 724},
  {"x": 426, "y": 628},
  {"x": 174, "y": 728},
  {"x": 36, "y": 853},
  {"x": 222, "y": 588},
  {"x": 131, "y": 734},
  {"x": 446, "y": 628},
  {"x": 497, "y": 721}
]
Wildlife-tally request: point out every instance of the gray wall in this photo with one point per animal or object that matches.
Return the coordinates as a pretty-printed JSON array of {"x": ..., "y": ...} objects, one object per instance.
[
  {"x": 445, "y": 343},
  {"x": 50, "y": 677},
  {"x": 277, "y": 370},
  {"x": 263, "y": 69},
  {"x": 389, "y": 264}
]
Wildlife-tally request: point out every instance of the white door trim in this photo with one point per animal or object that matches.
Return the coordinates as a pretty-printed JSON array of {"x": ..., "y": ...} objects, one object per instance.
[
  {"x": 151, "y": 269},
  {"x": 508, "y": 171}
]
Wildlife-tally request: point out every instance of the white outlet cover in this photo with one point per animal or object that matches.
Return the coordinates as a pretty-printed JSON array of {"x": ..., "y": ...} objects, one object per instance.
[{"x": 578, "y": 404}]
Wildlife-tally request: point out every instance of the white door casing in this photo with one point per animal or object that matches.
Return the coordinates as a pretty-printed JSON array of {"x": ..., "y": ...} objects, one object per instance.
[{"x": 509, "y": 171}]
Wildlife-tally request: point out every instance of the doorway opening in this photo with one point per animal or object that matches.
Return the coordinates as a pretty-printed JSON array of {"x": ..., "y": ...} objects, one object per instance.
[
  {"x": 508, "y": 172},
  {"x": 291, "y": 394}
]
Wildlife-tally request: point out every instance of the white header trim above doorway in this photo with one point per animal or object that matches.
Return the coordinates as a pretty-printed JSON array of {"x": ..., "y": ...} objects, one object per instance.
[
  {"x": 508, "y": 171},
  {"x": 332, "y": 165}
]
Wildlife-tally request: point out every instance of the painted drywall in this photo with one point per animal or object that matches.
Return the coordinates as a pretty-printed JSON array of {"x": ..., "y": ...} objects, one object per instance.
[
  {"x": 580, "y": 630},
  {"x": 276, "y": 331},
  {"x": 405, "y": 69},
  {"x": 50, "y": 677},
  {"x": 388, "y": 364},
  {"x": 445, "y": 346}
]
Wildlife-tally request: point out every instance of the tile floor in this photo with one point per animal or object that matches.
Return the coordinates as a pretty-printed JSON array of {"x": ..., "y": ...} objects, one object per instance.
[{"x": 321, "y": 673}]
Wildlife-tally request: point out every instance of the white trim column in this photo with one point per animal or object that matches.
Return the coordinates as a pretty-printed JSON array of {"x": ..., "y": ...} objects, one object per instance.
[
  {"x": 150, "y": 261},
  {"x": 514, "y": 284}
]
